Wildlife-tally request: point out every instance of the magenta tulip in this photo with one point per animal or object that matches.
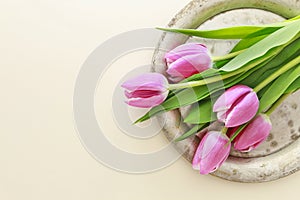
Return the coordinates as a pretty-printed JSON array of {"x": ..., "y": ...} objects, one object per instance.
[
  {"x": 253, "y": 134},
  {"x": 147, "y": 90},
  {"x": 212, "y": 151},
  {"x": 187, "y": 60},
  {"x": 236, "y": 106}
]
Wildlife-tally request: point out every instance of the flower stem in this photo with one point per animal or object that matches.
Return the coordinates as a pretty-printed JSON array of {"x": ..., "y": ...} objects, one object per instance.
[
  {"x": 228, "y": 56},
  {"x": 276, "y": 74},
  {"x": 238, "y": 131},
  {"x": 277, "y": 103},
  {"x": 224, "y": 130},
  {"x": 195, "y": 83}
]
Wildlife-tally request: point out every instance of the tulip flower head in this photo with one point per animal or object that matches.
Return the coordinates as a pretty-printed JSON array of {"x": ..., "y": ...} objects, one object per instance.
[
  {"x": 253, "y": 134},
  {"x": 212, "y": 151},
  {"x": 146, "y": 91},
  {"x": 187, "y": 60},
  {"x": 236, "y": 106}
]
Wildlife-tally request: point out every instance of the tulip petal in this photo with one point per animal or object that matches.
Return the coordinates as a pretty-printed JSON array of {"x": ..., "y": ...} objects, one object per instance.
[
  {"x": 189, "y": 47},
  {"x": 147, "y": 102},
  {"x": 198, "y": 154},
  {"x": 225, "y": 101},
  {"x": 189, "y": 65},
  {"x": 147, "y": 81},
  {"x": 212, "y": 151},
  {"x": 142, "y": 93},
  {"x": 254, "y": 134},
  {"x": 217, "y": 155},
  {"x": 221, "y": 115},
  {"x": 173, "y": 56},
  {"x": 242, "y": 111}
]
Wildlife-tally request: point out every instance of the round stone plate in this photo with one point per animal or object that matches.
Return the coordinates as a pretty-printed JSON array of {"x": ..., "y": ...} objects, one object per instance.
[{"x": 279, "y": 156}]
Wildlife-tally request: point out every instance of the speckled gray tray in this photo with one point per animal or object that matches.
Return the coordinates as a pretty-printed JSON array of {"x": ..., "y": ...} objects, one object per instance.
[{"x": 279, "y": 156}]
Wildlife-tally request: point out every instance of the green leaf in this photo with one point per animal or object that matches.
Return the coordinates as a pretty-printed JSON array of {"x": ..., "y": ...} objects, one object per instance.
[
  {"x": 263, "y": 91},
  {"x": 225, "y": 33},
  {"x": 236, "y": 32},
  {"x": 271, "y": 65},
  {"x": 259, "y": 49},
  {"x": 294, "y": 86},
  {"x": 278, "y": 87},
  {"x": 220, "y": 63},
  {"x": 201, "y": 112},
  {"x": 247, "y": 42},
  {"x": 293, "y": 19},
  {"x": 262, "y": 32},
  {"x": 192, "y": 131}
]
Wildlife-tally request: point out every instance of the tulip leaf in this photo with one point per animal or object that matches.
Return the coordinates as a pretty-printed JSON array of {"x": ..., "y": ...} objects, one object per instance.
[
  {"x": 201, "y": 112},
  {"x": 225, "y": 33},
  {"x": 221, "y": 63},
  {"x": 182, "y": 98},
  {"x": 294, "y": 86},
  {"x": 270, "y": 66},
  {"x": 262, "y": 32},
  {"x": 262, "y": 47},
  {"x": 278, "y": 87},
  {"x": 247, "y": 42},
  {"x": 192, "y": 131},
  {"x": 236, "y": 32}
]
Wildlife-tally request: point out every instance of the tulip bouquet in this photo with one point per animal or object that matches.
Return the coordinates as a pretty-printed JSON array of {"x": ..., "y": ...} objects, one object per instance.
[{"x": 239, "y": 90}]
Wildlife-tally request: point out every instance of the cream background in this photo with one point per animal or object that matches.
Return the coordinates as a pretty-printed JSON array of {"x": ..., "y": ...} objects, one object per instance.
[{"x": 42, "y": 46}]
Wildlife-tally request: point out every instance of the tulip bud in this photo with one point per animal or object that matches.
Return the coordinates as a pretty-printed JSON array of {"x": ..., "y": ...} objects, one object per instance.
[
  {"x": 187, "y": 60},
  {"x": 253, "y": 134},
  {"x": 236, "y": 106},
  {"x": 147, "y": 90},
  {"x": 212, "y": 151}
]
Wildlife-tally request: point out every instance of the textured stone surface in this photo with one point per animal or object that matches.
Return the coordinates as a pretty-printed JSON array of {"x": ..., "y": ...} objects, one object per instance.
[{"x": 279, "y": 155}]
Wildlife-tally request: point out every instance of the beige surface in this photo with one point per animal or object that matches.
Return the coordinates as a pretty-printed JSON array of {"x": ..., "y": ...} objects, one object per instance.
[{"x": 42, "y": 46}]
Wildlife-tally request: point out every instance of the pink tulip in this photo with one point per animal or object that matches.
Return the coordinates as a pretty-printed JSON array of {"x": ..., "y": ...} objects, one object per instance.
[
  {"x": 187, "y": 60},
  {"x": 236, "y": 105},
  {"x": 212, "y": 151},
  {"x": 253, "y": 134},
  {"x": 147, "y": 90}
]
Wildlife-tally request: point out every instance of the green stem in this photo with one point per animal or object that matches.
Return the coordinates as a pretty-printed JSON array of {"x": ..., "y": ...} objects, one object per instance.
[
  {"x": 277, "y": 103},
  {"x": 276, "y": 74},
  {"x": 238, "y": 131},
  {"x": 228, "y": 56},
  {"x": 195, "y": 83},
  {"x": 224, "y": 130}
]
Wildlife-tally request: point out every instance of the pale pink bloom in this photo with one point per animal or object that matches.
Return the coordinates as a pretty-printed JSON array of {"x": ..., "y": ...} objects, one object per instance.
[
  {"x": 187, "y": 60},
  {"x": 212, "y": 151},
  {"x": 253, "y": 134},
  {"x": 236, "y": 106},
  {"x": 147, "y": 90}
]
